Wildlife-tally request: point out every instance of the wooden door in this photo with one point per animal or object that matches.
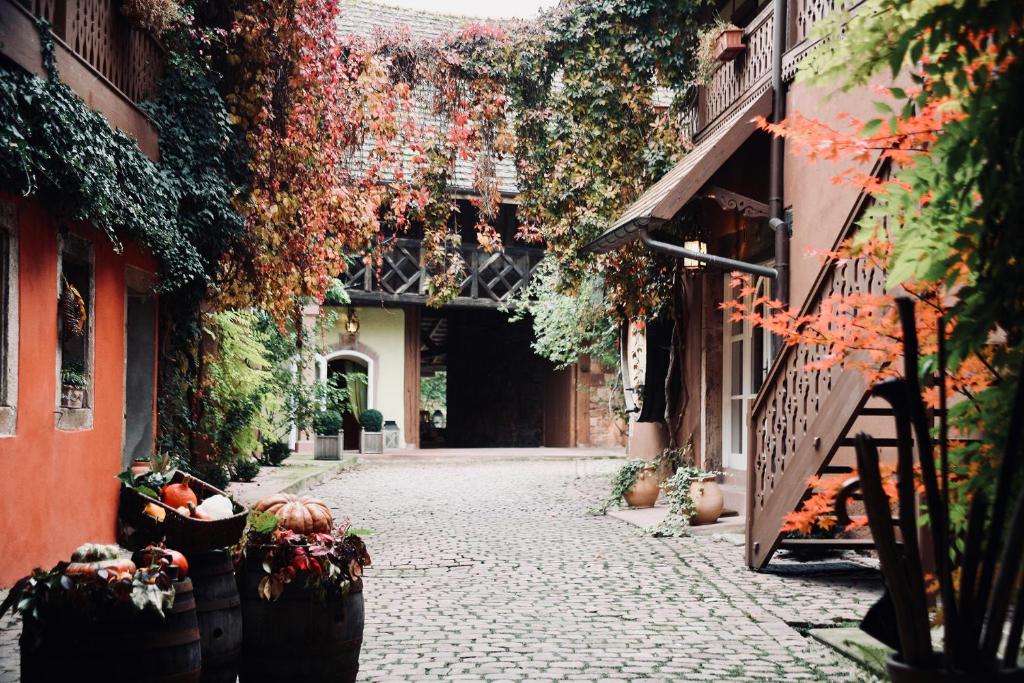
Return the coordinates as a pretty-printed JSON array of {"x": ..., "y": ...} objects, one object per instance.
[{"x": 560, "y": 408}]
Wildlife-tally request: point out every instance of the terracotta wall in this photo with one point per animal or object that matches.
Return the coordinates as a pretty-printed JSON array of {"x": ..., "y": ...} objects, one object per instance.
[{"x": 57, "y": 488}]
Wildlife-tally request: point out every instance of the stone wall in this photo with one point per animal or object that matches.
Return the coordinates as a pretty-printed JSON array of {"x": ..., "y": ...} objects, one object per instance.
[{"x": 599, "y": 394}]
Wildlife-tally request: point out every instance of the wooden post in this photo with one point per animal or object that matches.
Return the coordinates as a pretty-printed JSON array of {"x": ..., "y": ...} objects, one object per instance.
[{"x": 412, "y": 376}]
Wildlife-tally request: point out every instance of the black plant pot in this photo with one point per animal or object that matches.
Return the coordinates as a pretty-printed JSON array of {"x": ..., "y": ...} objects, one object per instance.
[{"x": 902, "y": 673}]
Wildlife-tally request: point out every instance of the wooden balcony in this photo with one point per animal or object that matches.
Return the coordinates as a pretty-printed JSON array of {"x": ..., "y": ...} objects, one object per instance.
[
  {"x": 110, "y": 63},
  {"x": 491, "y": 280},
  {"x": 742, "y": 80}
]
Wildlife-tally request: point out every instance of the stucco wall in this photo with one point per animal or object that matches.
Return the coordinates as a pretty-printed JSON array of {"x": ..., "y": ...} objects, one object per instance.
[
  {"x": 382, "y": 338},
  {"x": 57, "y": 488}
]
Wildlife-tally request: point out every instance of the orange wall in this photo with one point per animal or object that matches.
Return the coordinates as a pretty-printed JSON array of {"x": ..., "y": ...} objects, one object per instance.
[{"x": 57, "y": 488}]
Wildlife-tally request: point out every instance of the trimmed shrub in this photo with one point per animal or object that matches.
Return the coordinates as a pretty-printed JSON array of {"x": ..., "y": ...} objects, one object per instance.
[
  {"x": 327, "y": 422},
  {"x": 371, "y": 420},
  {"x": 246, "y": 469},
  {"x": 274, "y": 452}
]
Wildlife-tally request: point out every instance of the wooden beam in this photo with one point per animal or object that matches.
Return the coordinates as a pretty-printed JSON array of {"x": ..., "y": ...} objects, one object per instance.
[
  {"x": 20, "y": 42},
  {"x": 412, "y": 376}
]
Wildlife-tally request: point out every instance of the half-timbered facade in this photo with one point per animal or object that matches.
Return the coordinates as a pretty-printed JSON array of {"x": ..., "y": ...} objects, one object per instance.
[{"x": 425, "y": 367}]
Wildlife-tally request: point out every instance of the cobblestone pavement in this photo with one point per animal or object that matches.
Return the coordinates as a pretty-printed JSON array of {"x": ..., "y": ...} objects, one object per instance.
[{"x": 493, "y": 570}]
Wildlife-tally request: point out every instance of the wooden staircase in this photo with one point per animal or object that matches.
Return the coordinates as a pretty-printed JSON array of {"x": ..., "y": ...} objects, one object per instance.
[{"x": 803, "y": 417}]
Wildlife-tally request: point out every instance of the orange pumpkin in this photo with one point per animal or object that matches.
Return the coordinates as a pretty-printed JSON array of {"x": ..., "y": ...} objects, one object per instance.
[
  {"x": 152, "y": 554},
  {"x": 179, "y": 495},
  {"x": 301, "y": 514}
]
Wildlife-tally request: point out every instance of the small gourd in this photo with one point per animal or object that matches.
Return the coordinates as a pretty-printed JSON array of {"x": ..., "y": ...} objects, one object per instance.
[{"x": 301, "y": 514}]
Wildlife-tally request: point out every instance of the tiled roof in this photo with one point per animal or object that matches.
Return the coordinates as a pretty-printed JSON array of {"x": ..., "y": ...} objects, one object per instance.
[{"x": 364, "y": 19}]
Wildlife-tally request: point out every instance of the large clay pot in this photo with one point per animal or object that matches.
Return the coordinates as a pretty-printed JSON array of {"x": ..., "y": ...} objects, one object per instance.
[
  {"x": 707, "y": 501},
  {"x": 647, "y": 440},
  {"x": 645, "y": 490},
  {"x": 902, "y": 673}
]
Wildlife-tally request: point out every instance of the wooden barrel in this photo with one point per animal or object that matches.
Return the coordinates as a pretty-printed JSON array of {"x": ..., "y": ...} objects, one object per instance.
[
  {"x": 124, "y": 647},
  {"x": 299, "y": 637},
  {"x": 219, "y": 611}
]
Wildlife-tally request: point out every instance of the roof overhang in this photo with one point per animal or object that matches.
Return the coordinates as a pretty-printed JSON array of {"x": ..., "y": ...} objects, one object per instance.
[{"x": 663, "y": 200}]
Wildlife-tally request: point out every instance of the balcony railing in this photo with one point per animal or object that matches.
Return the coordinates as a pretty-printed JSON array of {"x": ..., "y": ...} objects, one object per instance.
[
  {"x": 131, "y": 59},
  {"x": 749, "y": 75},
  {"x": 491, "y": 279}
]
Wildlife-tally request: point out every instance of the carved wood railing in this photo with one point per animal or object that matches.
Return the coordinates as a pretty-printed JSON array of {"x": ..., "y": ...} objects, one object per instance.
[
  {"x": 749, "y": 75},
  {"x": 801, "y": 415},
  {"x": 491, "y": 279},
  {"x": 130, "y": 59}
]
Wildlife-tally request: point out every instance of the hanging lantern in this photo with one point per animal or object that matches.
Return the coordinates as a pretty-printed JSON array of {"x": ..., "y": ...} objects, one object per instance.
[
  {"x": 697, "y": 245},
  {"x": 352, "y": 323}
]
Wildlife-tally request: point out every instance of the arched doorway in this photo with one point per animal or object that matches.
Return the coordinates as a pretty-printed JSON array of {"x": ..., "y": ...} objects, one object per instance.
[{"x": 353, "y": 370}]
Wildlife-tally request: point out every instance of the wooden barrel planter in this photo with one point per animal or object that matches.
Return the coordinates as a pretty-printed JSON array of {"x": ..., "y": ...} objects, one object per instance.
[
  {"x": 298, "y": 636},
  {"x": 219, "y": 612},
  {"x": 123, "y": 647}
]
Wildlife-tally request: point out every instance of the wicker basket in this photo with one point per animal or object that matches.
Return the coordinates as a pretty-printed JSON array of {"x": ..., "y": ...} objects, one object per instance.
[{"x": 179, "y": 532}]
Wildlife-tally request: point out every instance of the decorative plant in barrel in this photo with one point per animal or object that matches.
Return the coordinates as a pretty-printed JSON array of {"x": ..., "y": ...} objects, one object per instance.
[
  {"x": 301, "y": 585},
  {"x": 102, "y": 617}
]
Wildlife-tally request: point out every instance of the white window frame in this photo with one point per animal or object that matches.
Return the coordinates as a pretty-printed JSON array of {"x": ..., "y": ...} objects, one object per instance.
[
  {"x": 731, "y": 459},
  {"x": 10, "y": 325}
]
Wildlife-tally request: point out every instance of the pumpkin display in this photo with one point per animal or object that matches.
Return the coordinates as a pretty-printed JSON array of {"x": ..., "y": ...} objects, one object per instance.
[
  {"x": 118, "y": 568},
  {"x": 179, "y": 495},
  {"x": 152, "y": 554},
  {"x": 301, "y": 514},
  {"x": 95, "y": 552}
]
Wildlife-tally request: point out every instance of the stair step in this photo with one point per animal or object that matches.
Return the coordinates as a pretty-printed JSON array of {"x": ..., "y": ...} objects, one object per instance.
[{"x": 834, "y": 543}]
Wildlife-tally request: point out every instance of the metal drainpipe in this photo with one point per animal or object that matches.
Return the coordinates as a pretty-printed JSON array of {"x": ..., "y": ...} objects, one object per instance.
[
  {"x": 776, "y": 208},
  {"x": 720, "y": 262}
]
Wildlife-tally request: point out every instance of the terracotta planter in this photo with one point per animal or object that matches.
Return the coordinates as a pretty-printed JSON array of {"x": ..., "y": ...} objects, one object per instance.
[
  {"x": 140, "y": 467},
  {"x": 647, "y": 440},
  {"x": 707, "y": 501},
  {"x": 71, "y": 397},
  {"x": 902, "y": 673},
  {"x": 729, "y": 44},
  {"x": 645, "y": 490}
]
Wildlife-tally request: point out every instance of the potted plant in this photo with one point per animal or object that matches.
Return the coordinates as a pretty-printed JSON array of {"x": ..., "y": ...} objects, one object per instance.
[
  {"x": 977, "y": 570},
  {"x": 719, "y": 43},
  {"x": 372, "y": 438},
  {"x": 635, "y": 482},
  {"x": 74, "y": 382},
  {"x": 327, "y": 427},
  {"x": 302, "y": 593},
  {"x": 694, "y": 497}
]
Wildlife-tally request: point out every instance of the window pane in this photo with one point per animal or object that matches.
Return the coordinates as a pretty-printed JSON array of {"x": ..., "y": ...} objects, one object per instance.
[
  {"x": 736, "y": 369},
  {"x": 736, "y": 425},
  {"x": 757, "y": 364}
]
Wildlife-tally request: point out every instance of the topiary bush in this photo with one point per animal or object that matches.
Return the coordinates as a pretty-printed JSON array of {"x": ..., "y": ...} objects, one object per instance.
[
  {"x": 274, "y": 452},
  {"x": 327, "y": 422},
  {"x": 246, "y": 469},
  {"x": 371, "y": 420}
]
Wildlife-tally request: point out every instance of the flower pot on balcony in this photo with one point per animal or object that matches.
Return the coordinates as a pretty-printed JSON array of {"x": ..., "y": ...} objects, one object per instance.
[
  {"x": 707, "y": 500},
  {"x": 72, "y": 397},
  {"x": 729, "y": 44},
  {"x": 328, "y": 447},
  {"x": 371, "y": 442}
]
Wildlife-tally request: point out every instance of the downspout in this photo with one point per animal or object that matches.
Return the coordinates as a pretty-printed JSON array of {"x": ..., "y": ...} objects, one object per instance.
[
  {"x": 776, "y": 208},
  {"x": 726, "y": 264}
]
